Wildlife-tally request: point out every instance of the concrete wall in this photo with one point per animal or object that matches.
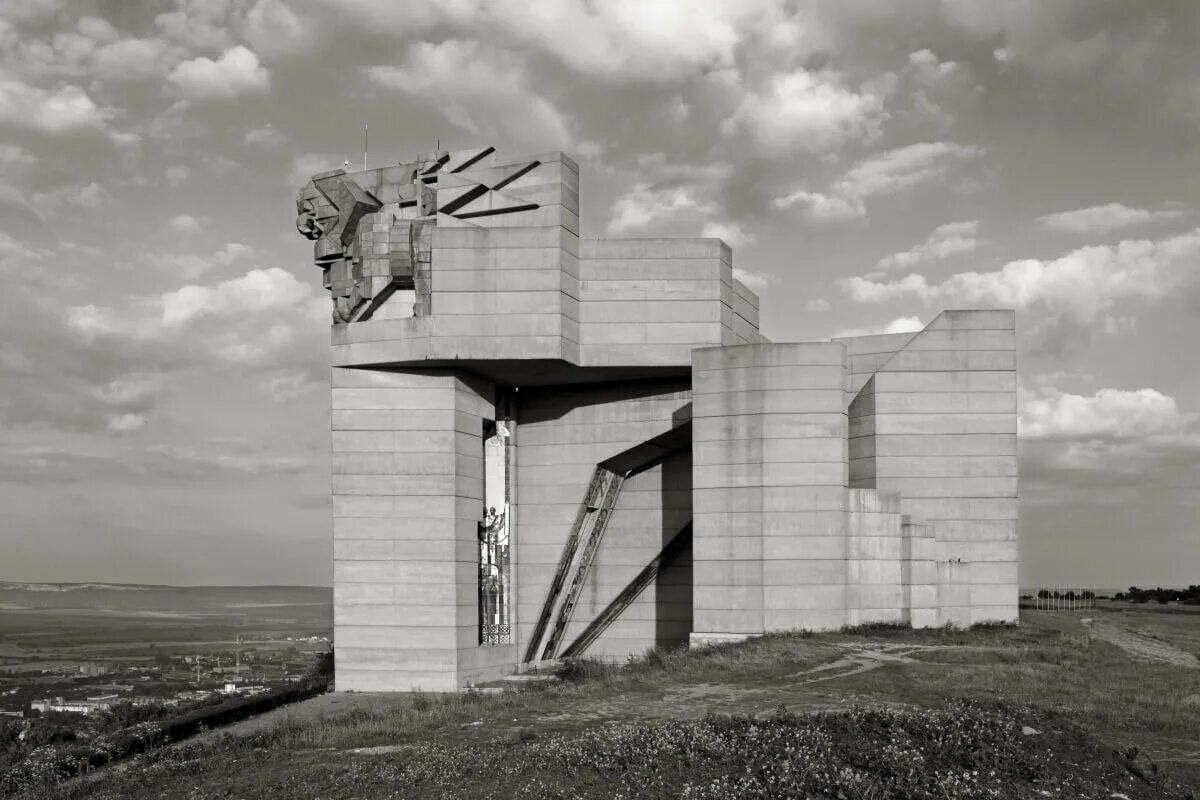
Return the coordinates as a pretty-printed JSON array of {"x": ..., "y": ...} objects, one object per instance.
[
  {"x": 543, "y": 293},
  {"x": 523, "y": 285},
  {"x": 937, "y": 423},
  {"x": 874, "y": 558},
  {"x": 866, "y": 354},
  {"x": 769, "y": 474},
  {"x": 919, "y": 574},
  {"x": 564, "y": 433},
  {"x": 407, "y": 500},
  {"x": 653, "y": 507},
  {"x": 653, "y": 300},
  {"x": 745, "y": 315},
  {"x": 479, "y": 309}
]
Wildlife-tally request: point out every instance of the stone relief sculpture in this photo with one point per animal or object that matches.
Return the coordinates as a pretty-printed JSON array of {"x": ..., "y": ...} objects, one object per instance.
[{"x": 372, "y": 230}]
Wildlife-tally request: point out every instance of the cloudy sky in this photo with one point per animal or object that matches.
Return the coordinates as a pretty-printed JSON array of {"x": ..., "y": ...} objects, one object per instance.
[{"x": 163, "y": 334}]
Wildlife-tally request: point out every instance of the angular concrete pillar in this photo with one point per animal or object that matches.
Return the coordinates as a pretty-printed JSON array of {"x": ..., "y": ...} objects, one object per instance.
[
  {"x": 874, "y": 557},
  {"x": 769, "y": 478},
  {"x": 408, "y": 499}
]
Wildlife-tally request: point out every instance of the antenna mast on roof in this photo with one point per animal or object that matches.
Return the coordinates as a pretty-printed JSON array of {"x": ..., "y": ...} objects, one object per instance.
[{"x": 364, "y": 147}]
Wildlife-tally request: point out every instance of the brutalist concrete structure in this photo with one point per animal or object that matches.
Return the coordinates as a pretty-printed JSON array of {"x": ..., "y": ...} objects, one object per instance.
[{"x": 546, "y": 445}]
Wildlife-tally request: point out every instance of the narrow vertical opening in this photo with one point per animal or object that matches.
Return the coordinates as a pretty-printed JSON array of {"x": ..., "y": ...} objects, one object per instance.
[{"x": 495, "y": 624}]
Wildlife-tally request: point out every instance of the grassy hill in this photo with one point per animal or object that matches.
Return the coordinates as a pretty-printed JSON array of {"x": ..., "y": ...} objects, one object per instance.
[{"x": 1053, "y": 708}]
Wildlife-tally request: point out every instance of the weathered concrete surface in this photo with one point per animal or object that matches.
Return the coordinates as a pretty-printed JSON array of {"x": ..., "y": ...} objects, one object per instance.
[
  {"x": 936, "y": 422},
  {"x": 407, "y": 501},
  {"x": 564, "y": 433},
  {"x": 860, "y": 480}
]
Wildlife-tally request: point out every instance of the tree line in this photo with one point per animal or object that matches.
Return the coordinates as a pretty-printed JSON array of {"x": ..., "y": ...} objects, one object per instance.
[{"x": 1189, "y": 596}]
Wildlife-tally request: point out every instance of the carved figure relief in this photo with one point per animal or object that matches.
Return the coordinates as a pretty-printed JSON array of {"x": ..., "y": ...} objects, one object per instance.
[{"x": 373, "y": 231}]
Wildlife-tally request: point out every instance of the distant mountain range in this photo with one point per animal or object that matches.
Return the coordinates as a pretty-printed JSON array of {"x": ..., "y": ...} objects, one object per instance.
[
  {"x": 5, "y": 585},
  {"x": 141, "y": 597}
]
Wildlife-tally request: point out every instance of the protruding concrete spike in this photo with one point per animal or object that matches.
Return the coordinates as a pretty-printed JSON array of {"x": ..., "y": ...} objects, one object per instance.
[
  {"x": 446, "y": 181},
  {"x": 465, "y": 159},
  {"x": 450, "y": 201},
  {"x": 435, "y": 162},
  {"x": 499, "y": 176},
  {"x": 447, "y": 221},
  {"x": 493, "y": 203}
]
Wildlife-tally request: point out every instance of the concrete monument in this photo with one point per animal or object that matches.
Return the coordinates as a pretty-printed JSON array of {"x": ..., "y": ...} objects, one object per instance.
[{"x": 546, "y": 445}]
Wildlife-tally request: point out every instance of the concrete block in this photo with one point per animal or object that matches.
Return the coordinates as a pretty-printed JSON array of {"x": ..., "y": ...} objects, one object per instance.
[
  {"x": 1004, "y": 614},
  {"x": 728, "y": 621},
  {"x": 929, "y": 402},
  {"x": 806, "y": 572},
  {"x": 872, "y": 501},
  {"x": 828, "y": 522},
  {"x": 769, "y": 426},
  {"x": 897, "y": 423},
  {"x": 713, "y": 548},
  {"x": 795, "y": 547},
  {"x": 651, "y": 248},
  {"x": 778, "y": 620},
  {"x": 815, "y": 598},
  {"x": 671, "y": 269},
  {"x": 917, "y": 488},
  {"x": 973, "y": 466},
  {"x": 713, "y": 575},
  {"x": 770, "y": 355},
  {"x": 944, "y": 360},
  {"x": 883, "y": 344},
  {"x": 962, "y": 508},
  {"x": 985, "y": 444},
  {"x": 651, "y": 312},
  {"x": 964, "y": 339},
  {"x": 925, "y": 618},
  {"x": 976, "y": 381}
]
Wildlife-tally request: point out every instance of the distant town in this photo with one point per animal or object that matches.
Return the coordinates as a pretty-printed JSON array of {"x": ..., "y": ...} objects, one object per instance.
[{"x": 167, "y": 679}]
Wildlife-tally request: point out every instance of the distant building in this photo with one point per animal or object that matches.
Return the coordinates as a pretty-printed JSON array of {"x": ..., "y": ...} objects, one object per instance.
[
  {"x": 9, "y": 713},
  {"x": 92, "y": 669},
  {"x": 151, "y": 701},
  {"x": 89, "y": 705}
]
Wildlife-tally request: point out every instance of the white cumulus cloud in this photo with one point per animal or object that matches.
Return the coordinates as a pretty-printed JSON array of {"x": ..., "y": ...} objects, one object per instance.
[
  {"x": 617, "y": 40},
  {"x": 953, "y": 238},
  {"x": 898, "y": 325},
  {"x": 257, "y": 290},
  {"x": 644, "y": 206},
  {"x": 885, "y": 173},
  {"x": 65, "y": 110},
  {"x": 730, "y": 233},
  {"x": 1108, "y": 413},
  {"x": 124, "y": 423},
  {"x": 1105, "y": 218},
  {"x": 1081, "y": 285},
  {"x": 236, "y": 72},
  {"x": 482, "y": 90},
  {"x": 807, "y": 112},
  {"x": 184, "y": 223}
]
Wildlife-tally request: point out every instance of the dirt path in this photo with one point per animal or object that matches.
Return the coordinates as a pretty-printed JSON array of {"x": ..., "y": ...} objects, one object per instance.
[
  {"x": 1143, "y": 647},
  {"x": 800, "y": 691},
  {"x": 867, "y": 656}
]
